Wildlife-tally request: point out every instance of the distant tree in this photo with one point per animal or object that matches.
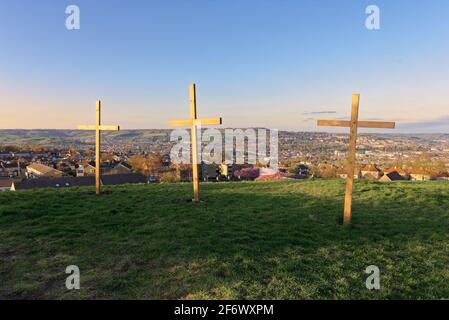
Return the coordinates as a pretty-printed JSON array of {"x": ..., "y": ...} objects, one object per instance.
[
  {"x": 325, "y": 171},
  {"x": 314, "y": 171},
  {"x": 148, "y": 166},
  {"x": 35, "y": 149},
  {"x": 183, "y": 171},
  {"x": 154, "y": 165},
  {"x": 9, "y": 148},
  {"x": 89, "y": 153},
  {"x": 293, "y": 170},
  {"x": 427, "y": 163},
  {"x": 398, "y": 163},
  {"x": 137, "y": 162},
  {"x": 170, "y": 177},
  {"x": 69, "y": 171},
  {"x": 440, "y": 166},
  {"x": 107, "y": 157}
]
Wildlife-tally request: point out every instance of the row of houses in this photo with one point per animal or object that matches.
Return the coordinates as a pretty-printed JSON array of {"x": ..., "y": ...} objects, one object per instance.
[
  {"x": 36, "y": 170},
  {"x": 392, "y": 174},
  {"x": 88, "y": 169},
  {"x": 16, "y": 176},
  {"x": 16, "y": 169},
  {"x": 9, "y": 169}
]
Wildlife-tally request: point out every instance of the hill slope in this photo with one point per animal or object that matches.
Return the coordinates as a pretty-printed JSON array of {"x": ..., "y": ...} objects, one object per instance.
[
  {"x": 64, "y": 138},
  {"x": 275, "y": 240}
]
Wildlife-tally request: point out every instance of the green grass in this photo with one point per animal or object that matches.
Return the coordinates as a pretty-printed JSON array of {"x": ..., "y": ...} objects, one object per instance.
[{"x": 267, "y": 240}]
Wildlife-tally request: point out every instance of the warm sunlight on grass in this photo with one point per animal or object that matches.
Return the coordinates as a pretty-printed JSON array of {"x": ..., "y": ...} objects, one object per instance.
[{"x": 271, "y": 240}]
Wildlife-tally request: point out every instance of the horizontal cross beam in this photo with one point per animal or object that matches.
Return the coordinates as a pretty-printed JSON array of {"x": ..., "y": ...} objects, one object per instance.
[
  {"x": 103, "y": 128},
  {"x": 360, "y": 124},
  {"x": 204, "y": 122}
]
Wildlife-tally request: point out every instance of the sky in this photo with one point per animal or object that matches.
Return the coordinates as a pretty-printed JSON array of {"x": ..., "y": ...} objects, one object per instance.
[{"x": 268, "y": 63}]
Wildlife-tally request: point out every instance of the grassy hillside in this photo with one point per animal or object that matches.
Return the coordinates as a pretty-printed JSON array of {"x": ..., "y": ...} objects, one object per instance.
[{"x": 269, "y": 240}]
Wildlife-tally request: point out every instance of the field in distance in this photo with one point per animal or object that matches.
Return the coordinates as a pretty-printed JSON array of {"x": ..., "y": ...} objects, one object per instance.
[{"x": 251, "y": 240}]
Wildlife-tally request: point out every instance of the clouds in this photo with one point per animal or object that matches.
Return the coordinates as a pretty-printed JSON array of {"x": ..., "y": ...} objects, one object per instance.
[
  {"x": 404, "y": 124},
  {"x": 308, "y": 119},
  {"x": 312, "y": 116},
  {"x": 318, "y": 113},
  {"x": 438, "y": 125}
]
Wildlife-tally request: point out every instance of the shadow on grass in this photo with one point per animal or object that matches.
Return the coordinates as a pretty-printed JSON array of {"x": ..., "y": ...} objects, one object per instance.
[{"x": 250, "y": 240}]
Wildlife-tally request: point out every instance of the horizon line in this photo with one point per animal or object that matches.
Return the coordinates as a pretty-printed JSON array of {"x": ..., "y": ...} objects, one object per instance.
[{"x": 251, "y": 127}]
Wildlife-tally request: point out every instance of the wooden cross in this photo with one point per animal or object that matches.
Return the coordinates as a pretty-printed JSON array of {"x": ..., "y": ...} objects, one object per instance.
[
  {"x": 353, "y": 125},
  {"x": 194, "y": 122},
  {"x": 97, "y": 128}
]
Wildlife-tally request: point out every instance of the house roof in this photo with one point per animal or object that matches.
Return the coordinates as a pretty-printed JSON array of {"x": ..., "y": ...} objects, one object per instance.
[
  {"x": 43, "y": 168},
  {"x": 398, "y": 170},
  {"x": 90, "y": 163},
  {"x": 87, "y": 164},
  {"x": 267, "y": 171},
  {"x": 103, "y": 165},
  {"x": 64, "y": 182},
  {"x": 8, "y": 165},
  {"x": 394, "y": 176},
  {"x": 443, "y": 175},
  {"x": 370, "y": 169},
  {"x": 6, "y": 183},
  {"x": 419, "y": 171},
  {"x": 123, "y": 178},
  {"x": 124, "y": 164},
  {"x": 276, "y": 176}
]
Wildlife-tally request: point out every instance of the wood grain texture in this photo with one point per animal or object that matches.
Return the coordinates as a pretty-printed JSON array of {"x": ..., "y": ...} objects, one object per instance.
[
  {"x": 196, "y": 186},
  {"x": 351, "y": 159},
  {"x": 360, "y": 124}
]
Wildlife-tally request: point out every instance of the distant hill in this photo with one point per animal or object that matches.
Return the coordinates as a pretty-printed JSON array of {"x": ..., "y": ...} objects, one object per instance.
[
  {"x": 64, "y": 138},
  {"x": 57, "y": 138},
  {"x": 249, "y": 240}
]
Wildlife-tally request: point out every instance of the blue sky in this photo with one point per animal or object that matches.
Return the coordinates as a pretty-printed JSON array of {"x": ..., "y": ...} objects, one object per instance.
[{"x": 279, "y": 64}]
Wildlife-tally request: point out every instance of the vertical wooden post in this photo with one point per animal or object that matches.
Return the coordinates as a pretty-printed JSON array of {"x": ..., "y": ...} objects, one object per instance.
[
  {"x": 98, "y": 128},
  {"x": 354, "y": 124},
  {"x": 194, "y": 123},
  {"x": 351, "y": 158},
  {"x": 193, "y": 116},
  {"x": 97, "y": 148}
]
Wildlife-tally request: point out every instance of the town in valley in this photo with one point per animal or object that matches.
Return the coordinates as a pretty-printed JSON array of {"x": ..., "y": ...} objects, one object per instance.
[{"x": 65, "y": 158}]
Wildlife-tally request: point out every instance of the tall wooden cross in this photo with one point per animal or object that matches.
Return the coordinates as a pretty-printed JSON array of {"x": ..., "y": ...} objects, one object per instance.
[
  {"x": 194, "y": 123},
  {"x": 98, "y": 128},
  {"x": 353, "y": 125}
]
